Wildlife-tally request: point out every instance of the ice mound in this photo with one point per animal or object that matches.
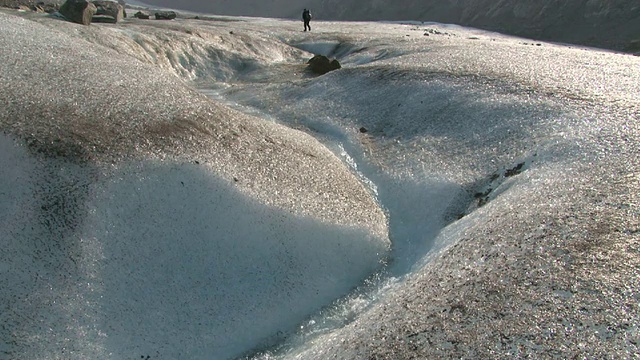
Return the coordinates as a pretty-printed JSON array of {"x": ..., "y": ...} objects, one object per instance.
[{"x": 141, "y": 218}]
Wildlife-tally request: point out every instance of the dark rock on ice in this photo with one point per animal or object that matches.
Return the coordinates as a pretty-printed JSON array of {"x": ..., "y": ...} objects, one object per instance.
[
  {"x": 165, "y": 15},
  {"x": 78, "y": 11},
  {"x": 108, "y": 11},
  {"x": 321, "y": 64},
  {"x": 141, "y": 15}
]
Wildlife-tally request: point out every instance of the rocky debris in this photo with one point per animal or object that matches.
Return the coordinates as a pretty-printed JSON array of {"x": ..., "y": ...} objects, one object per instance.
[
  {"x": 321, "y": 64},
  {"x": 141, "y": 15},
  {"x": 514, "y": 170},
  {"x": 78, "y": 11},
  {"x": 165, "y": 15},
  {"x": 433, "y": 31},
  {"x": 108, "y": 11},
  {"x": 46, "y": 6},
  {"x": 483, "y": 196}
]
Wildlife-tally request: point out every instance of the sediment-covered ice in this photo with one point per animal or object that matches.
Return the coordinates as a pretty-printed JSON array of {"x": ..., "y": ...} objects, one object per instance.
[{"x": 185, "y": 189}]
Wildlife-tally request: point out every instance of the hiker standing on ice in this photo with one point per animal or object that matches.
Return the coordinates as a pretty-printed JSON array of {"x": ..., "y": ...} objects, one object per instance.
[{"x": 306, "y": 17}]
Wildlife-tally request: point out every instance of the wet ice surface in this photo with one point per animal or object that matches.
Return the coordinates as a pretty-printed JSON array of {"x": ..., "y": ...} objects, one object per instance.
[{"x": 197, "y": 194}]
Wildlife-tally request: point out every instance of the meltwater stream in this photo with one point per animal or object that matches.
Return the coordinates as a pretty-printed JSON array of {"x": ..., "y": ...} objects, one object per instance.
[
  {"x": 433, "y": 140},
  {"x": 382, "y": 122},
  {"x": 412, "y": 224},
  {"x": 256, "y": 221},
  {"x": 141, "y": 219}
]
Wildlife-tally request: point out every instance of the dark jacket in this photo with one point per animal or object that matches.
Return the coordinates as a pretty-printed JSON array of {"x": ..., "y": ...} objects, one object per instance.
[{"x": 306, "y": 15}]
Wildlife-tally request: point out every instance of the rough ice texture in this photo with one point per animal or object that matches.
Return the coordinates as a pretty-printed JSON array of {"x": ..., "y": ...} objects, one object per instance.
[
  {"x": 547, "y": 268},
  {"x": 547, "y": 271},
  {"x": 141, "y": 218},
  {"x": 72, "y": 97}
]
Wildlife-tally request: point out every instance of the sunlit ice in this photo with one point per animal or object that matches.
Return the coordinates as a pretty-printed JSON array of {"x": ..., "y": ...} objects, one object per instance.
[{"x": 202, "y": 195}]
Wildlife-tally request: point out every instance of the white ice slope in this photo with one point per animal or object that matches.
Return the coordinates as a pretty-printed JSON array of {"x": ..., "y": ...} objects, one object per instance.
[
  {"x": 141, "y": 218},
  {"x": 255, "y": 207}
]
